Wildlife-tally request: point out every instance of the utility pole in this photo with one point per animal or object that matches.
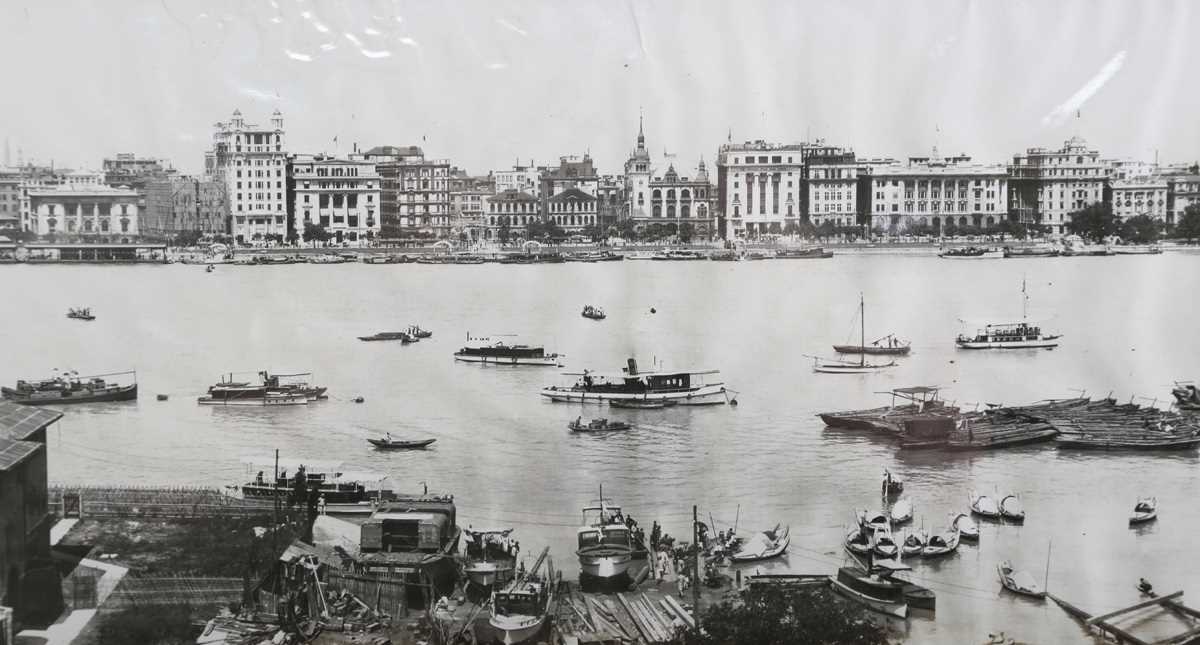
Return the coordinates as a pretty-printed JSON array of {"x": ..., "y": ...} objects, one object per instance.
[
  {"x": 696, "y": 567},
  {"x": 275, "y": 516}
]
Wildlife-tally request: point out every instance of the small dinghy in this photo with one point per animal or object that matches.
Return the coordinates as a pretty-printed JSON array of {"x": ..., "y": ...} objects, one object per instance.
[
  {"x": 968, "y": 530},
  {"x": 597, "y": 425},
  {"x": 941, "y": 544},
  {"x": 891, "y": 486},
  {"x": 876, "y": 590},
  {"x": 1011, "y": 509},
  {"x": 858, "y": 542},
  {"x": 763, "y": 546},
  {"x": 883, "y": 545},
  {"x": 902, "y": 511},
  {"x": 984, "y": 506},
  {"x": 595, "y": 313},
  {"x": 1020, "y": 582},
  {"x": 914, "y": 543},
  {"x": 398, "y": 444},
  {"x": 872, "y": 520},
  {"x": 1145, "y": 510},
  {"x": 640, "y": 404}
]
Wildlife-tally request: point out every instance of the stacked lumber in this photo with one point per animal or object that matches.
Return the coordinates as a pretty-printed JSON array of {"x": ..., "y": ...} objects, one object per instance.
[{"x": 1108, "y": 425}]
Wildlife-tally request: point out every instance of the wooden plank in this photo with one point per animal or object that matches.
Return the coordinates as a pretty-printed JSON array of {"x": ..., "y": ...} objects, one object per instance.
[
  {"x": 637, "y": 624},
  {"x": 1070, "y": 609},
  {"x": 1180, "y": 638},
  {"x": 1146, "y": 603}
]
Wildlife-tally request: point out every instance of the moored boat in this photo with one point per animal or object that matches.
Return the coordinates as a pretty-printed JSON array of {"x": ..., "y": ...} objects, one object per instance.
[
  {"x": 522, "y": 609},
  {"x": 641, "y": 404},
  {"x": 1135, "y": 249},
  {"x": 498, "y": 352},
  {"x": 343, "y": 491},
  {"x": 902, "y": 511},
  {"x": 683, "y": 387},
  {"x": 604, "y": 542},
  {"x": 69, "y": 387},
  {"x": 941, "y": 544},
  {"x": 971, "y": 253},
  {"x": 764, "y": 545},
  {"x": 1020, "y": 582},
  {"x": 967, "y": 529},
  {"x": 815, "y": 253},
  {"x": 984, "y": 506},
  {"x": 887, "y": 346},
  {"x": 838, "y": 366},
  {"x": 677, "y": 255},
  {"x": 595, "y": 313},
  {"x": 1022, "y": 335},
  {"x": 271, "y": 390},
  {"x": 891, "y": 486},
  {"x": 875, "y": 590},
  {"x": 81, "y": 313},
  {"x": 914, "y": 543},
  {"x": 388, "y": 443},
  {"x": 1144, "y": 510},
  {"x": 923, "y": 403},
  {"x": 883, "y": 544},
  {"x": 402, "y": 336},
  {"x": 418, "y": 333},
  {"x": 1035, "y": 251},
  {"x": 490, "y": 556},
  {"x": 858, "y": 541},
  {"x": 597, "y": 425},
  {"x": 1011, "y": 508}
]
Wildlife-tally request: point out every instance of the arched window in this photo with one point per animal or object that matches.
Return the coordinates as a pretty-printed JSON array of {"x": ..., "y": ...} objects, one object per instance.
[
  {"x": 685, "y": 194},
  {"x": 962, "y": 221},
  {"x": 657, "y": 210},
  {"x": 641, "y": 198},
  {"x": 657, "y": 193},
  {"x": 686, "y": 210},
  {"x": 671, "y": 210},
  {"x": 702, "y": 211},
  {"x": 671, "y": 194}
]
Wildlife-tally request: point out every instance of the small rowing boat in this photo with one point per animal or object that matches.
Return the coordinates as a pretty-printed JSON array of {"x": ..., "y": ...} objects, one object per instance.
[
  {"x": 763, "y": 546},
  {"x": 914, "y": 543},
  {"x": 1145, "y": 510},
  {"x": 1019, "y": 582},
  {"x": 597, "y": 425},
  {"x": 941, "y": 544},
  {"x": 984, "y": 506},
  {"x": 967, "y": 529},
  {"x": 1011, "y": 509},
  {"x": 399, "y": 444}
]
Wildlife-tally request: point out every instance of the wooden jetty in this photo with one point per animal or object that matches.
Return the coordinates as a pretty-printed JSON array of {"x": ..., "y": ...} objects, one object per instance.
[{"x": 1104, "y": 622}]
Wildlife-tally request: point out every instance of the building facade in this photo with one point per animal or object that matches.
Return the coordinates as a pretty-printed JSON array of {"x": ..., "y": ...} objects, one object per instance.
[
  {"x": 758, "y": 186},
  {"x": 524, "y": 179},
  {"x": 25, "y": 518},
  {"x": 1183, "y": 190},
  {"x": 669, "y": 200},
  {"x": 84, "y": 210},
  {"x": 252, "y": 162},
  {"x": 178, "y": 203},
  {"x": 573, "y": 210},
  {"x": 830, "y": 186},
  {"x": 1139, "y": 195},
  {"x": 340, "y": 195},
  {"x": 10, "y": 199},
  {"x": 1046, "y": 186},
  {"x": 510, "y": 210},
  {"x": 610, "y": 200},
  {"x": 127, "y": 169},
  {"x": 415, "y": 196},
  {"x": 935, "y": 193}
]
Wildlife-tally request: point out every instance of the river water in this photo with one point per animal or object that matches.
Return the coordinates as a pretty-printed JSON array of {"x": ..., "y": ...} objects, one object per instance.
[{"x": 1129, "y": 325}]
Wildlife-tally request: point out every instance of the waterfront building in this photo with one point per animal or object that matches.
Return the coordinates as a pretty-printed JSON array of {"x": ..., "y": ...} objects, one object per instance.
[
  {"x": 829, "y": 190},
  {"x": 758, "y": 186},
  {"x": 341, "y": 195},
  {"x": 415, "y": 197},
  {"x": 669, "y": 200},
  {"x": 252, "y": 162},
  {"x": 1046, "y": 186},
  {"x": 1139, "y": 195},
  {"x": 569, "y": 193},
  {"x": 468, "y": 199},
  {"x": 83, "y": 209},
  {"x": 525, "y": 179},
  {"x": 25, "y": 518},
  {"x": 935, "y": 192},
  {"x": 181, "y": 203},
  {"x": 10, "y": 199},
  {"x": 510, "y": 210},
  {"x": 610, "y": 199},
  {"x": 1183, "y": 190},
  {"x": 127, "y": 169},
  {"x": 1129, "y": 168}
]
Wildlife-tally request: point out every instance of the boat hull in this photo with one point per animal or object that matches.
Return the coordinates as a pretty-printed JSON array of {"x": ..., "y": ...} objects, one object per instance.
[
  {"x": 297, "y": 399},
  {"x": 125, "y": 393},
  {"x": 835, "y": 368},
  {"x": 872, "y": 351},
  {"x": 605, "y": 566},
  {"x": 885, "y": 607},
  {"x": 1142, "y": 518},
  {"x": 1018, "y": 344},
  {"x": 516, "y": 629},
  {"x": 547, "y": 361},
  {"x": 704, "y": 395}
]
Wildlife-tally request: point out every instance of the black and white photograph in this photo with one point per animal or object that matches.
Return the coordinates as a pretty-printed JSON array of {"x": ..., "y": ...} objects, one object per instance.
[{"x": 777, "y": 322}]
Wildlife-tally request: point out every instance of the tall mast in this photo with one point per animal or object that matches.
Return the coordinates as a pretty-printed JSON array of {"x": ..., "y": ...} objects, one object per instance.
[
  {"x": 862, "y": 338},
  {"x": 1024, "y": 301}
]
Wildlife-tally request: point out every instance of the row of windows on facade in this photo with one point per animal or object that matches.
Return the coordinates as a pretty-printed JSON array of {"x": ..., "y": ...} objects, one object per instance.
[
  {"x": 762, "y": 159},
  {"x": 922, "y": 184},
  {"x": 88, "y": 226},
  {"x": 339, "y": 171},
  {"x": 86, "y": 210},
  {"x": 259, "y": 196},
  {"x": 919, "y": 207},
  {"x": 684, "y": 211},
  {"x": 833, "y": 173},
  {"x": 260, "y": 207},
  {"x": 259, "y": 184},
  {"x": 349, "y": 201},
  {"x": 349, "y": 221},
  {"x": 278, "y": 219},
  {"x": 257, "y": 137},
  {"x": 239, "y": 148},
  {"x": 260, "y": 173},
  {"x": 274, "y": 161},
  {"x": 1074, "y": 193},
  {"x": 936, "y": 194}
]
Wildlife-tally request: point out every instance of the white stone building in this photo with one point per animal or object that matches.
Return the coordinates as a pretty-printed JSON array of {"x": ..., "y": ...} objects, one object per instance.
[
  {"x": 252, "y": 159},
  {"x": 341, "y": 195},
  {"x": 523, "y": 179},
  {"x": 1046, "y": 186},
  {"x": 935, "y": 192},
  {"x": 1183, "y": 190},
  {"x": 758, "y": 186},
  {"x": 1140, "y": 195},
  {"x": 81, "y": 209}
]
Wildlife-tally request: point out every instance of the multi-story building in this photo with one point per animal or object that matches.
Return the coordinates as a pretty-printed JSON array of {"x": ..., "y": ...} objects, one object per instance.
[
  {"x": 340, "y": 195},
  {"x": 670, "y": 199},
  {"x": 610, "y": 200},
  {"x": 468, "y": 201},
  {"x": 252, "y": 161},
  {"x": 1183, "y": 190},
  {"x": 936, "y": 193},
  {"x": 84, "y": 210},
  {"x": 415, "y": 192},
  {"x": 512, "y": 209},
  {"x": 10, "y": 199},
  {"x": 1046, "y": 186},
  {"x": 1139, "y": 195},
  {"x": 572, "y": 172},
  {"x": 758, "y": 186},
  {"x": 127, "y": 169},
  {"x": 525, "y": 179},
  {"x": 830, "y": 185},
  {"x": 25, "y": 518},
  {"x": 179, "y": 203},
  {"x": 573, "y": 210}
]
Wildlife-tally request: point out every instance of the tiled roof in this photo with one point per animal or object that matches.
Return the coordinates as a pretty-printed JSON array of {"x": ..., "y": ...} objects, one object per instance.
[
  {"x": 19, "y": 422},
  {"x": 572, "y": 193},
  {"x": 14, "y": 452}
]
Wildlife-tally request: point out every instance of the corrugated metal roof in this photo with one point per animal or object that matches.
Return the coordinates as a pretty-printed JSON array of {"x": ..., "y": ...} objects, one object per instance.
[
  {"x": 14, "y": 452},
  {"x": 19, "y": 422}
]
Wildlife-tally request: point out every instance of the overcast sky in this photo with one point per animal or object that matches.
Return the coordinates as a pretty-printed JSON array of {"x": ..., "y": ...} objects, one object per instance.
[{"x": 483, "y": 83}]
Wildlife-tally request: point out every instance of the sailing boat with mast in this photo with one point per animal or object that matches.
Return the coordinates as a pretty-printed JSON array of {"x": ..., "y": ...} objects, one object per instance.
[
  {"x": 1022, "y": 335},
  {"x": 839, "y": 366}
]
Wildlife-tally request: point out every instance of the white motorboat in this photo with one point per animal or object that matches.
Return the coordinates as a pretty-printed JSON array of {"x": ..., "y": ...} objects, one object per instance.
[
  {"x": 490, "y": 557},
  {"x": 941, "y": 544},
  {"x": 1145, "y": 510},
  {"x": 763, "y": 546},
  {"x": 1020, "y": 582},
  {"x": 1017, "y": 335},
  {"x": 521, "y": 609},
  {"x": 681, "y": 387},
  {"x": 1011, "y": 509},
  {"x": 984, "y": 506},
  {"x": 967, "y": 529},
  {"x": 605, "y": 544},
  {"x": 902, "y": 511},
  {"x": 498, "y": 352}
]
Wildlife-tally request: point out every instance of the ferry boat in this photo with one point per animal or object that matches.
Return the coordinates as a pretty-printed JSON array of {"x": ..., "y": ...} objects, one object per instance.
[
  {"x": 1135, "y": 249},
  {"x": 521, "y": 610},
  {"x": 1022, "y": 335},
  {"x": 971, "y": 253},
  {"x": 1035, "y": 251},
  {"x": 69, "y": 387},
  {"x": 677, "y": 255},
  {"x": 81, "y": 313},
  {"x": 684, "y": 387},
  {"x": 803, "y": 254},
  {"x": 485, "y": 350},
  {"x": 490, "y": 557},
  {"x": 605, "y": 545},
  {"x": 273, "y": 390}
]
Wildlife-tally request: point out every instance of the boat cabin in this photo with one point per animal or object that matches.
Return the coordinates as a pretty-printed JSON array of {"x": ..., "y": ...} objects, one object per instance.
[
  {"x": 632, "y": 381},
  {"x": 1009, "y": 332},
  {"x": 921, "y": 396},
  {"x": 419, "y": 523}
]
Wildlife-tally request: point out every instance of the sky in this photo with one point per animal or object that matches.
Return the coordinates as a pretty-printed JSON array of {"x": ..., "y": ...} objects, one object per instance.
[{"x": 486, "y": 83}]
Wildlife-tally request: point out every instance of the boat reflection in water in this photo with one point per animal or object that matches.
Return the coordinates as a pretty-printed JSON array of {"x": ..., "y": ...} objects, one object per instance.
[{"x": 684, "y": 387}]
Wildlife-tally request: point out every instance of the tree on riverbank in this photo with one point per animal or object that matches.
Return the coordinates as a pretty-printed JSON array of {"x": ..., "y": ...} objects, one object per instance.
[
  {"x": 1094, "y": 222},
  {"x": 1189, "y": 224},
  {"x": 1141, "y": 229},
  {"x": 775, "y": 616},
  {"x": 315, "y": 232}
]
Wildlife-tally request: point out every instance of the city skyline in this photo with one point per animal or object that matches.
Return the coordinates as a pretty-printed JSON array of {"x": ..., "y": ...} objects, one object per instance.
[{"x": 500, "y": 82}]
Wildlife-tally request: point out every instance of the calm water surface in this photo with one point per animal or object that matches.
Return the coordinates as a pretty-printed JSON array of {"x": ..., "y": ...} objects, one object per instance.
[{"x": 508, "y": 458}]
